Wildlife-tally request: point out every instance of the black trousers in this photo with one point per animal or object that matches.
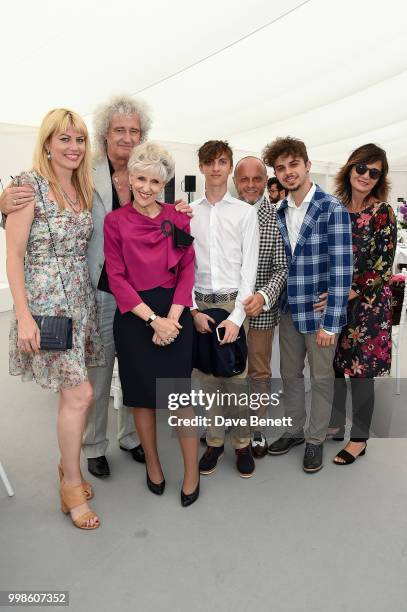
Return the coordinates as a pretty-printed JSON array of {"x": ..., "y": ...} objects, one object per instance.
[{"x": 362, "y": 391}]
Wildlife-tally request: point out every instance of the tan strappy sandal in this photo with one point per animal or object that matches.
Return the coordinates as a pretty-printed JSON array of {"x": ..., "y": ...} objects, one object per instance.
[
  {"x": 72, "y": 497},
  {"x": 87, "y": 487}
]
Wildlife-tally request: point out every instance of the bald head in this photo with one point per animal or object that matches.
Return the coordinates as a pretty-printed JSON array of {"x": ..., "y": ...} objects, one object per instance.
[{"x": 250, "y": 178}]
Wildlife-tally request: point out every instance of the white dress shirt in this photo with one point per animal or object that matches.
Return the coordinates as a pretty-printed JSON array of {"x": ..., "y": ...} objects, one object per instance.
[
  {"x": 294, "y": 216},
  {"x": 226, "y": 249}
]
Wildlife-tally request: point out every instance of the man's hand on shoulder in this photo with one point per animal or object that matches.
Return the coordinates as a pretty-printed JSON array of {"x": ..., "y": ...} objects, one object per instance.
[
  {"x": 183, "y": 207},
  {"x": 15, "y": 198}
]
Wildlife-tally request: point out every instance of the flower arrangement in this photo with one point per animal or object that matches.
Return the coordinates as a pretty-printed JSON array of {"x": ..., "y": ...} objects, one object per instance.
[{"x": 403, "y": 215}]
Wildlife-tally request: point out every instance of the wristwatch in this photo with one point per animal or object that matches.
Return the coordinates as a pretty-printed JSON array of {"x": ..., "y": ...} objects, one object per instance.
[{"x": 150, "y": 319}]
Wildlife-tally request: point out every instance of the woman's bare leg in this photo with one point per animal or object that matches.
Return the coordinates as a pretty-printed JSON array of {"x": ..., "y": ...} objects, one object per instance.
[{"x": 73, "y": 408}]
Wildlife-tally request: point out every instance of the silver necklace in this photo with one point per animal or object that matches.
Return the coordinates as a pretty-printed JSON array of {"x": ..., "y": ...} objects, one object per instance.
[{"x": 74, "y": 205}]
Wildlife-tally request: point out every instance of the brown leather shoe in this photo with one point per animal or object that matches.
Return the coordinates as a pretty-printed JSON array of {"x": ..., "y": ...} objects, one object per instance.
[{"x": 258, "y": 445}]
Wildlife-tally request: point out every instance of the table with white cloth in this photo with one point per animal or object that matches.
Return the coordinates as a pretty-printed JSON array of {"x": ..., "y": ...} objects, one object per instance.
[{"x": 400, "y": 258}]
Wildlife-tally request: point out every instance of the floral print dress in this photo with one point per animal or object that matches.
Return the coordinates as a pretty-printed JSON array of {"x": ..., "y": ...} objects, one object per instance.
[
  {"x": 45, "y": 294},
  {"x": 364, "y": 345}
]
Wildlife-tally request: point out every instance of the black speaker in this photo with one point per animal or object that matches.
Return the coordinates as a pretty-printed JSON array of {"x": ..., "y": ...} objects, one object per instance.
[
  {"x": 169, "y": 191},
  {"x": 190, "y": 184}
]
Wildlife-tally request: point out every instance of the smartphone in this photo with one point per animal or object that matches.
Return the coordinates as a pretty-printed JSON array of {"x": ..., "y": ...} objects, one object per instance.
[{"x": 220, "y": 333}]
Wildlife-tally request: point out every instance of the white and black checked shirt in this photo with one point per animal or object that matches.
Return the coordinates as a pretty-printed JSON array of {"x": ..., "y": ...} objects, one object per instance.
[{"x": 272, "y": 268}]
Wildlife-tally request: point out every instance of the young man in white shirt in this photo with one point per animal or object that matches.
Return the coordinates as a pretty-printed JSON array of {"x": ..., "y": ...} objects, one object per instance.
[{"x": 226, "y": 252}]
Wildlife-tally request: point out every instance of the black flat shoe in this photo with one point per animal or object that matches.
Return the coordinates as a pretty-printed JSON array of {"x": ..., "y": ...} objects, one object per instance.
[
  {"x": 157, "y": 489},
  {"x": 189, "y": 498},
  {"x": 137, "y": 453},
  {"x": 99, "y": 467},
  {"x": 347, "y": 457}
]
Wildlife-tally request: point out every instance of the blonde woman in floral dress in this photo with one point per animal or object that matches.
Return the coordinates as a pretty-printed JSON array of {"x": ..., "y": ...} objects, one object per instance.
[
  {"x": 364, "y": 345},
  {"x": 62, "y": 181}
]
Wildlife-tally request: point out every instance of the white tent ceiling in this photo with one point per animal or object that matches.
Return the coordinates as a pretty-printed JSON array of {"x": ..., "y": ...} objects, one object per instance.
[{"x": 332, "y": 73}]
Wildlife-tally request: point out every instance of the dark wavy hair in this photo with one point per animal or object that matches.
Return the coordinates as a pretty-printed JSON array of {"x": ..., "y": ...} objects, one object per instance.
[
  {"x": 284, "y": 147},
  {"x": 366, "y": 154}
]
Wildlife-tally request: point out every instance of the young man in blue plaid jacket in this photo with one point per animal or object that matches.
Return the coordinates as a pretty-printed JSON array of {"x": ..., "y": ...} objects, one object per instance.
[{"x": 317, "y": 236}]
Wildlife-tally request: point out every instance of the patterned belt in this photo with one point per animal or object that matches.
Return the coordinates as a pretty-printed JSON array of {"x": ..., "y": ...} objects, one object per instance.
[{"x": 215, "y": 298}]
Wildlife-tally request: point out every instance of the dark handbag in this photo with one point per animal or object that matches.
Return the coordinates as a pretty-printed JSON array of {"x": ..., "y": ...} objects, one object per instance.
[{"x": 55, "y": 332}]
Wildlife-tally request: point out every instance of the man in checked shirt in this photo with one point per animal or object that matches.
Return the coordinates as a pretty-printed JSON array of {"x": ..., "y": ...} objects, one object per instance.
[{"x": 250, "y": 178}]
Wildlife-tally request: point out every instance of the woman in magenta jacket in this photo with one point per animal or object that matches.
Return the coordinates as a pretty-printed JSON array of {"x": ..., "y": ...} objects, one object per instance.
[{"x": 150, "y": 268}]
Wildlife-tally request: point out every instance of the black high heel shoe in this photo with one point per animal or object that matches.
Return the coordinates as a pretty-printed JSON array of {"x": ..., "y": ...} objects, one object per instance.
[
  {"x": 348, "y": 458},
  {"x": 157, "y": 489},
  {"x": 189, "y": 498}
]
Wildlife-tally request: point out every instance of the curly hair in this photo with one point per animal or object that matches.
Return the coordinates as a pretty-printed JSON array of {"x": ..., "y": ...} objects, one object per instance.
[
  {"x": 366, "y": 154},
  {"x": 123, "y": 105},
  {"x": 285, "y": 147},
  {"x": 152, "y": 157}
]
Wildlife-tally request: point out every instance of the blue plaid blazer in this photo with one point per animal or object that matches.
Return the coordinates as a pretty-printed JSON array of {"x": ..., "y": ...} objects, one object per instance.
[{"x": 322, "y": 262}]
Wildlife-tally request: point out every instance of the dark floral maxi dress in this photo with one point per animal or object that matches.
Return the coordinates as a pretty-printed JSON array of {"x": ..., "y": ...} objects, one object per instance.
[{"x": 364, "y": 345}]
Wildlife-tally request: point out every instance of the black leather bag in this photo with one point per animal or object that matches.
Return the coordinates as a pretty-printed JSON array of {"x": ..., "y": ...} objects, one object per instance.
[{"x": 55, "y": 331}]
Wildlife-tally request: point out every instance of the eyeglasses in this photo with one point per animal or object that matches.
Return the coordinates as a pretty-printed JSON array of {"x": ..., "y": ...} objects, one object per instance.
[{"x": 374, "y": 173}]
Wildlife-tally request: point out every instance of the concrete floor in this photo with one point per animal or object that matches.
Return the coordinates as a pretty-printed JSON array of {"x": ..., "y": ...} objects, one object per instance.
[{"x": 283, "y": 540}]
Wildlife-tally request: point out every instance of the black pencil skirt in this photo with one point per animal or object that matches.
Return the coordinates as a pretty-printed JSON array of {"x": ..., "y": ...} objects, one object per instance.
[{"x": 141, "y": 362}]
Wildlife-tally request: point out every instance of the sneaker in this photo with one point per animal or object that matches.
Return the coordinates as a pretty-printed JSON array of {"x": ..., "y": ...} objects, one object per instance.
[
  {"x": 210, "y": 458},
  {"x": 312, "y": 457},
  {"x": 283, "y": 445},
  {"x": 245, "y": 462},
  {"x": 258, "y": 445}
]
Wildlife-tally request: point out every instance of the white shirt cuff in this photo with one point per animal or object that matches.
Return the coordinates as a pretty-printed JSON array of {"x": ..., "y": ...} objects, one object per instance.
[{"x": 266, "y": 306}]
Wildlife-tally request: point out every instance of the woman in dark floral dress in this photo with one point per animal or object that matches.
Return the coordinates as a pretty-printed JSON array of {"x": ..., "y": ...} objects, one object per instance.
[{"x": 364, "y": 345}]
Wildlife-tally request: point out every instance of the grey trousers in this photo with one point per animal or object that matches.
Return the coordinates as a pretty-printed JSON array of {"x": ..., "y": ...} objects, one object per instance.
[
  {"x": 95, "y": 441},
  {"x": 293, "y": 348}
]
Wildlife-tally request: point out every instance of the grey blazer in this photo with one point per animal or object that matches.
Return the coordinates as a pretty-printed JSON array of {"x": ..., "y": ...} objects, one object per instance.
[{"x": 102, "y": 204}]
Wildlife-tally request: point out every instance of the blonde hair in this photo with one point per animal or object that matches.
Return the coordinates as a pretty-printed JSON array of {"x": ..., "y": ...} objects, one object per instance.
[
  {"x": 152, "y": 157},
  {"x": 59, "y": 120},
  {"x": 118, "y": 105}
]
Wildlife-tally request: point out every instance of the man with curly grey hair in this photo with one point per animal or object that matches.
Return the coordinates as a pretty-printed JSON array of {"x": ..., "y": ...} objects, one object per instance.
[{"x": 119, "y": 125}]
